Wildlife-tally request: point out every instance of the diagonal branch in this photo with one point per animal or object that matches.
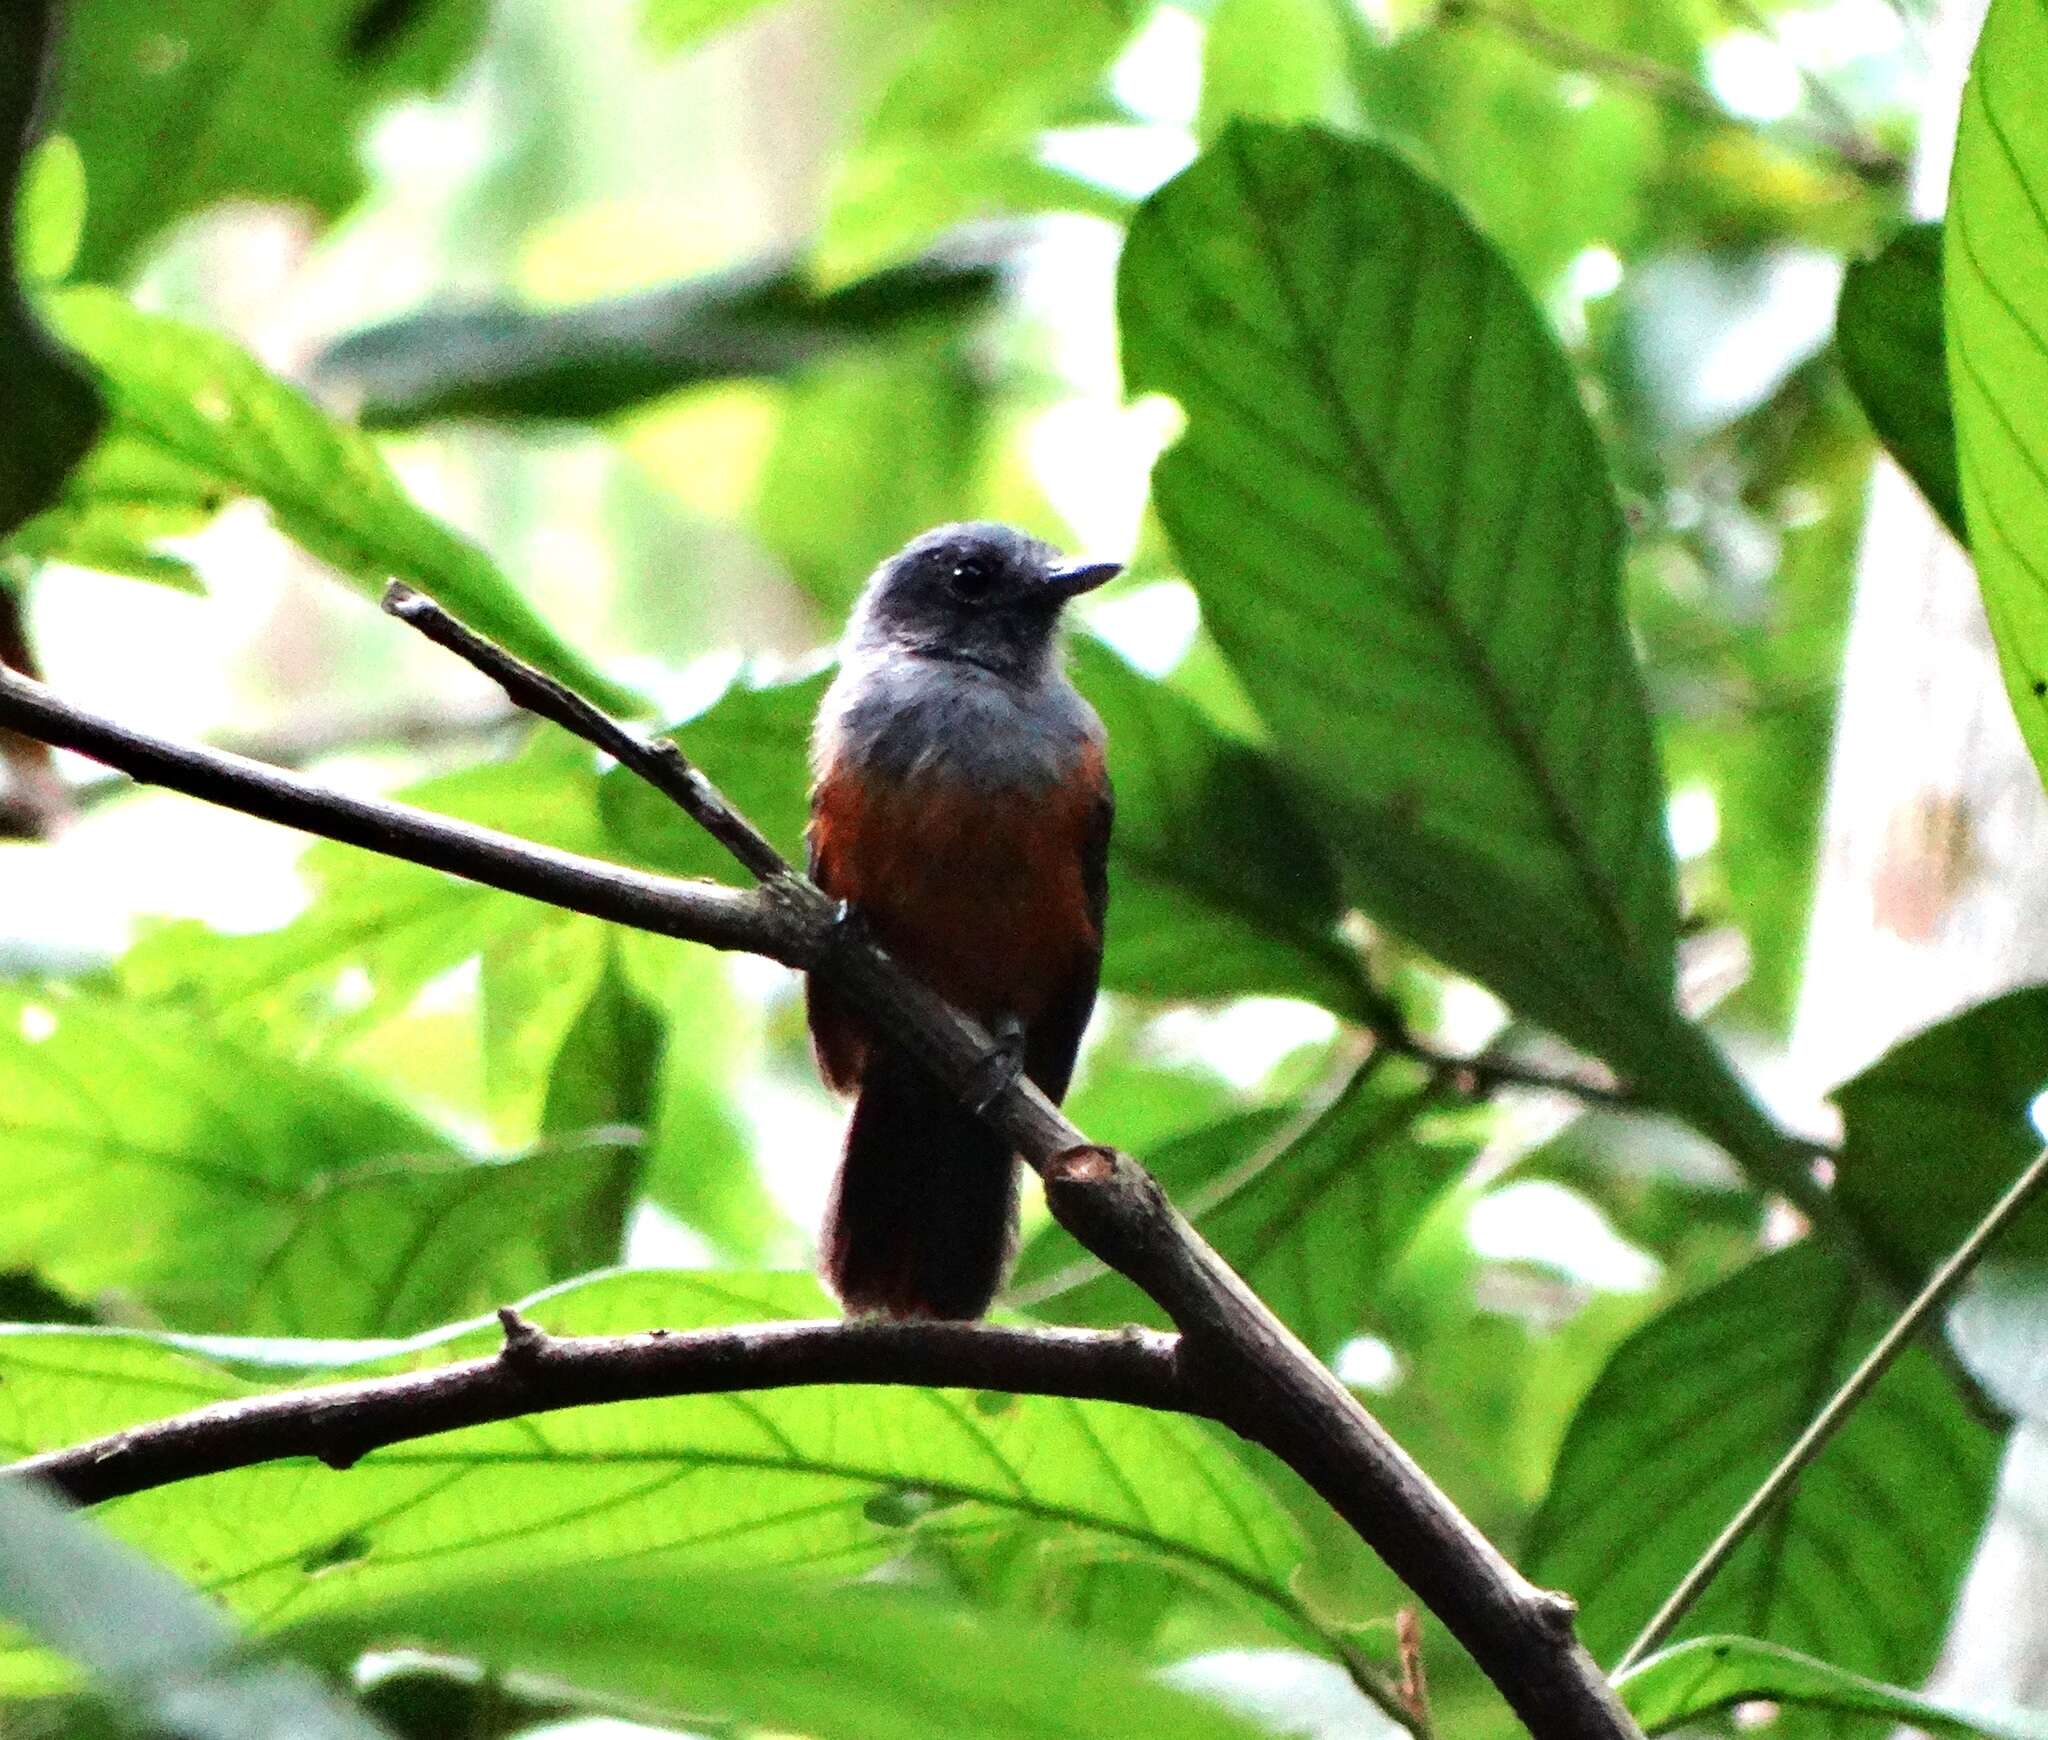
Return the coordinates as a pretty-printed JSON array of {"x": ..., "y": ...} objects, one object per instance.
[{"x": 1235, "y": 1360}]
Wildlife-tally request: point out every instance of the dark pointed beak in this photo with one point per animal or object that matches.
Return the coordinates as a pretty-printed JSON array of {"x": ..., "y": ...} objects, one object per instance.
[{"x": 1071, "y": 579}]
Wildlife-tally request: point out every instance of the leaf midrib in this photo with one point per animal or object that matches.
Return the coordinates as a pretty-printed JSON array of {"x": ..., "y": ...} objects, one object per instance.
[{"x": 1432, "y": 592}]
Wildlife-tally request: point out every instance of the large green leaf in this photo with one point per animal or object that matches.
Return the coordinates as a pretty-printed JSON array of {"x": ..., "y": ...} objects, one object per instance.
[
  {"x": 863, "y": 1664},
  {"x": 718, "y": 1483},
  {"x": 1716, "y": 1673},
  {"x": 178, "y": 103},
  {"x": 1938, "y": 1127},
  {"x": 1859, "y": 1564},
  {"x": 1219, "y": 884},
  {"x": 1888, "y": 328},
  {"x": 228, "y": 1189},
  {"x": 1995, "y": 299},
  {"x": 151, "y": 1644},
  {"x": 1934, "y": 1133},
  {"x": 52, "y": 411},
  {"x": 1313, "y": 1223},
  {"x": 204, "y": 422},
  {"x": 1398, "y": 517}
]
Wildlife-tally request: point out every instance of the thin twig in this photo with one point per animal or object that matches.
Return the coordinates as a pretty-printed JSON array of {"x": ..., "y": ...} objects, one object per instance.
[
  {"x": 1659, "y": 81},
  {"x": 1940, "y": 1287},
  {"x": 1246, "y": 1367}
]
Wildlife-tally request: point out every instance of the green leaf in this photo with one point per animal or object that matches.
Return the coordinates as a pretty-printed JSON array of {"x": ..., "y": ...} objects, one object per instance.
[
  {"x": 668, "y": 25},
  {"x": 53, "y": 412},
  {"x": 976, "y": 82},
  {"x": 853, "y": 1664},
  {"x": 1274, "y": 60},
  {"x": 1398, "y": 517},
  {"x": 1888, "y": 328},
  {"x": 740, "y": 1483},
  {"x": 396, "y": 925},
  {"x": 1860, "y": 1563},
  {"x": 178, "y": 103},
  {"x": 49, "y": 214},
  {"x": 1717, "y": 1673},
  {"x": 1314, "y": 1223},
  {"x": 1938, "y": 1127},
  {"x": 228, "y": 1189},
  {"x": 871, "y": 450},
  {"x": 153, "y": 1645},
  {"x": 1995, "y": 300},
  {"x": 511, "y": 362},
  {"x": 1934, "y": 1133},
  {"x": 201, "y": 408}
]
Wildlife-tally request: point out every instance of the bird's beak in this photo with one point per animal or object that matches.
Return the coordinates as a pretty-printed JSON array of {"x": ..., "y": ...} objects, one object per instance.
[{"x": 1071, "y": 579}]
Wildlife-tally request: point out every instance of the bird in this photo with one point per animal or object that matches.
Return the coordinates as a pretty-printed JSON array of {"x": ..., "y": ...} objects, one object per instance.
[{"x": 960, "y": 813}]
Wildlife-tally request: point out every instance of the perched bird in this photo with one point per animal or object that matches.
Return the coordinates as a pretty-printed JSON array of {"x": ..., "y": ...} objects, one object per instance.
[{"x": 961, "y": 810}]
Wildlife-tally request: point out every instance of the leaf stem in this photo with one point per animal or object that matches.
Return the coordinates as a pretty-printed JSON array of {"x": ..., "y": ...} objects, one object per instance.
[{"x": 1940, "y": 1288}]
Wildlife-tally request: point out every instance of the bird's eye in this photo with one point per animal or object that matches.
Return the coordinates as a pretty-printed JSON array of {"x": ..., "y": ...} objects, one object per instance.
[{"x": 971, "y": 579}]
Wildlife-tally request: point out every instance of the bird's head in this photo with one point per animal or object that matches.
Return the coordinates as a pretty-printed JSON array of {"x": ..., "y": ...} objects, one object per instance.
[{"x": 980, "y": 592}]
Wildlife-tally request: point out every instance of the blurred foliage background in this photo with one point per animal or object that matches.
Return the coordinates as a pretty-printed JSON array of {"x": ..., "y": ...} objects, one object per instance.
[{"x": 684, "y": 313}]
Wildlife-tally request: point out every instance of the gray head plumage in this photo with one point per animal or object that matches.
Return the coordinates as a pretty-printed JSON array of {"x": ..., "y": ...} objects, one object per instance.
[{"x": 976, "y": 591}]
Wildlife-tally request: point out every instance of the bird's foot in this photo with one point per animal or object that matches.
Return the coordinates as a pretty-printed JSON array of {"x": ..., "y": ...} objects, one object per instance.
[{"x": 999, "y": 1070}]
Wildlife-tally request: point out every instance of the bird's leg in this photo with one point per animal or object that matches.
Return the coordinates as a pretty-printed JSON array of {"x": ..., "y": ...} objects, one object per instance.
[{"x": 1001, "y": 1067}]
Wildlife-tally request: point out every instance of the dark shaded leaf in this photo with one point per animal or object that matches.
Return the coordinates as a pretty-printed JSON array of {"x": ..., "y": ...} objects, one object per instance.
[
  {"x": 1888, "y": 328},
  {"x": 1860, "y": 1563},
  {"x": 52, "y": 411},
  {"x": 508, "y": 362},
  {"x": 1937, "y": 1128},
  {"x": 1314, "y": 1224},
  {"x": 1420, "y": 592}
]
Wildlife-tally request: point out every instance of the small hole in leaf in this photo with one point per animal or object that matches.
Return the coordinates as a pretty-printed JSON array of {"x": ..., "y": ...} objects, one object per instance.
[
  {"x": 2041, "y": 685},
  {"x": 898, "y": 1507},
  {"x": 344, "y": 1549}
]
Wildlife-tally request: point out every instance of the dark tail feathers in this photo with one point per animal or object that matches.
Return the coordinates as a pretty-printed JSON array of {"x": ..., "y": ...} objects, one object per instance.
[{"x": 923, "y": 1213}]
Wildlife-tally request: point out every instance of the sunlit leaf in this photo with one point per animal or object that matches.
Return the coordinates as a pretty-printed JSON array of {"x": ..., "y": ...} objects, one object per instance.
[
  {"x": 1860, "y": 1562},
  {"x": 1995, "y": 304},
  {"x": 178, "y": 103},
  {"x": 1716, "y": 1673},
  {"x": 216, "y": 425},
  {"x": 738, "y": 1483},
  {"x": 227, "y": 1189},
  {"x": 862, "y": 1664}
]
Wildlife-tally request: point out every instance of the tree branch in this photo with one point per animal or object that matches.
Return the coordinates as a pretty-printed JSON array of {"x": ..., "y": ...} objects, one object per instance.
[
  {"x": 1235, "y": 1360},
  {"x": 537, "y": 1373}
]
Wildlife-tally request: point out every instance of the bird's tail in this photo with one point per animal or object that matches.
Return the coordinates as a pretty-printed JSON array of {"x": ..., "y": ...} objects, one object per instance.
[{"x": 923, "y": 1213}]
